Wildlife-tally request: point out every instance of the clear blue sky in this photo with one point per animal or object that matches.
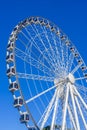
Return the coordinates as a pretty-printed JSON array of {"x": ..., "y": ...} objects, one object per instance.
[{"x": 69, "y": 15}]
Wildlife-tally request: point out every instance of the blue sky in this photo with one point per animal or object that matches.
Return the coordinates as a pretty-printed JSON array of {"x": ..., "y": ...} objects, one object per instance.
[{"x": 69, "y": 15}]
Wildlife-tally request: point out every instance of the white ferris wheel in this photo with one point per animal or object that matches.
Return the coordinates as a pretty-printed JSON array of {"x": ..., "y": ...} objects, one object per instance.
[{"x": 47, "y": 77}]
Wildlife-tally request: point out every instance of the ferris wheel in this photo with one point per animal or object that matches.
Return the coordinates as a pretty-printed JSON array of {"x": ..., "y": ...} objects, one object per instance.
[{"x": 47, "y": 77}]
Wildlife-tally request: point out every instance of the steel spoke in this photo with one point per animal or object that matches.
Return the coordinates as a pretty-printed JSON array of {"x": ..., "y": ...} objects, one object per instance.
[
  {"x": 38, "y": 48},
  {"x": 76, "y": 68},
  {"x": 35, "y": 77},
  {"x": 70, "y": 62},
  {"x": 37, "y": 64},
  {"x": 81, "y": 78},
  {"x": 40, "y": 94}
]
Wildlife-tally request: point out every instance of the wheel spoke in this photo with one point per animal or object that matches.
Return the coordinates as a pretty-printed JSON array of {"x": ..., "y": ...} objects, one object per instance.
[
  {"x": 57, "y": 55},
  {"x": 39, "y": 49},
  {"x": 70, "y": 62},
  {"x": 40, "y": 94},
  {"x": 51, "y": 47},
  {"x": 35, "y": 77},
  {"x": 81, "y": 78},
  {"x": 76, "y": 68},
  {"x": 52, "y": 59},
  {"x": 81, "y": 88},
  {"x": 37, "y": 64}
]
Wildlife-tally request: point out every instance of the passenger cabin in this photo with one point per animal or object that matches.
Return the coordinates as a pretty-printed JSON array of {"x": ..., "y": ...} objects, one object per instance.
[
  {"x": 18, "y": 102},
  {"x": 52, "y": 28},
  {"x": 11, "y": 71},
  {"x": 12, "y": 37},
  {"x": 83, "y": 68},
  {"x": 67, "y": 42},
  {"x": 76, "y": 55},
  {"x": 10, "y": 46},
  {"x": 24, "y": 118},
  {"x": 45, "y": 22},
  {"x": 13, "y": 86},
  {"x": 72, "y": 49},
  {"x": 41, "y": 20},
  {"x": 79, "y": 61},
  {"x": 9, "y": 58},
  {"x": 25, "y": 22},
  {"x": 35, "y": 19},
  {"x": 16, "y": 29},
  {"x": 63, "y": 37},
  {"x": 85, "y": 75},
  {"x": 58, "y": 32}
]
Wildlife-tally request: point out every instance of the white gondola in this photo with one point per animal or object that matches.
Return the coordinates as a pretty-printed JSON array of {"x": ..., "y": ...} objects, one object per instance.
[
  {"x": 26, "y": 22},
  {"x": 10, "y": 46},
  {"x": 11, "y": 71},
  {"x": 72, "y": 49},
  {"x": 13, "y": 86},
  {"x": 79, "y": 61},
  {"x": 76, "y": 55},
  {"x": 18, "y": 102},
  {"x": 67, "y": 42},
  {"x": 42, "y": 21},
  {"x": 52, "y": 28},
  {"x": 35, "y": 19},
  {"x": 16, "y": 29},
  {"x": 24, "y": 118},
  {"x": 63, "y": 37},
  {"x": 85, "y": 75},
  {"x": 10, "y": 58},
  {"x": 58, "y": 33},
  {"x": 12, "y": 37},
  {"x": 83, "y": 68}
]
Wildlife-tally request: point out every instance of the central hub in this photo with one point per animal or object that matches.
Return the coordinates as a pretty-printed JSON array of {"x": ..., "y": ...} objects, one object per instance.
[
  {"x": 60, "y": 83},
  {"x": 71, "y": 78}
]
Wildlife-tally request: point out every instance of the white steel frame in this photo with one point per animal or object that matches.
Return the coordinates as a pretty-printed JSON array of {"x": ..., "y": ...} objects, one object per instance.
[{"x": 63, "y": 63}]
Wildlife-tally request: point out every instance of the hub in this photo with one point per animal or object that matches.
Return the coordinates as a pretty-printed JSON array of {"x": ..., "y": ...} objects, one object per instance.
[{"x": 71, "y": 78}]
